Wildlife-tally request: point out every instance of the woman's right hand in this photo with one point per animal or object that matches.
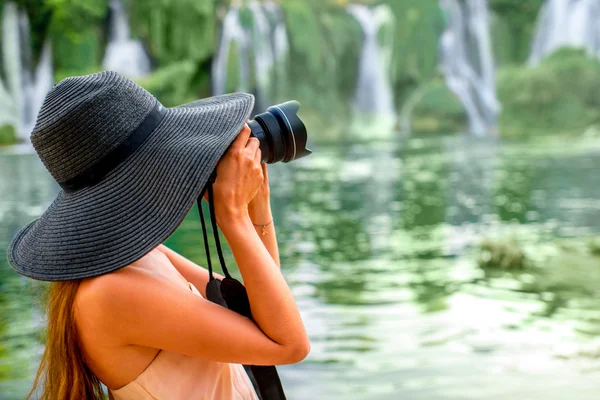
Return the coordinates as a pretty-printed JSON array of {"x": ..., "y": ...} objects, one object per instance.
[{"x": 239, "y": 176}]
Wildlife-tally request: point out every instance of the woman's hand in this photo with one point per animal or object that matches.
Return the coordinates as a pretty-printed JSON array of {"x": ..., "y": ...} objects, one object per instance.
[
  {"x": 259, "y": 207},
  {"x": 239, "y": 177}
]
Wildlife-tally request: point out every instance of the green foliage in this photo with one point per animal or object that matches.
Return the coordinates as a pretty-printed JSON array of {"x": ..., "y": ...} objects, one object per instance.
[
  {"x": 71, "y": 17},
  {"x": 61, "y": 19},
  {"x": 438, "y": 110},
  {"x": 503, "y": 45},
  {"x": 7, "y": 135},
  {"x": 345, "y": 40},
  {"x": 520, "y": 18},
  {"x": 561, "y": 95},
  {"x": 419, "y": 24},
  {"x": 39, "y": 14},
  {"x": 175, "y": 30},
  {"x": 77, "y": 54},
  {"x": 325, "y": 43},
  {"x": 171, "y": 84}
]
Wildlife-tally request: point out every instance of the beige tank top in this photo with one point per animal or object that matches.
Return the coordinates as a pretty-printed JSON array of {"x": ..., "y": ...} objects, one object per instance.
[{"x": 176, "y": 376}]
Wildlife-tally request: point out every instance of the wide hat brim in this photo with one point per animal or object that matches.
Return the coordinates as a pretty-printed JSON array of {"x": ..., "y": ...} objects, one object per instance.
[{"x": 139, "y": 204}]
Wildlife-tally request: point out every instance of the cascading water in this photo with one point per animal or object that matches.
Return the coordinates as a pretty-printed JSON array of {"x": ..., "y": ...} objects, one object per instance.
[
  {"x": 263, "y": 52},
  {"x": 123, "y": 54},
  {"x": 35, "y": 87},
  {"x": 373, "y": 96},
  {"x": 563, "y": 23},
  {"x": 10, "y": 88},
  {"x": 279, "y": 31},
  {"x": 267, "y": 38},
  {"x": 467, "y": 62},
  {"x": 25, "y": 89},
  {"x": 281, "y": 48},
  {"x": 232, "y": 33}
]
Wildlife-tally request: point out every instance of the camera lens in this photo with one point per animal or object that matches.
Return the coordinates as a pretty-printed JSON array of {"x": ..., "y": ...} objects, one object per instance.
[{"x": 281, "y": 133}]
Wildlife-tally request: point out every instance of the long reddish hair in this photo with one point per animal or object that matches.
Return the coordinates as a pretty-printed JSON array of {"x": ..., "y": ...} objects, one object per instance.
[{"x": 63, "y": 374}]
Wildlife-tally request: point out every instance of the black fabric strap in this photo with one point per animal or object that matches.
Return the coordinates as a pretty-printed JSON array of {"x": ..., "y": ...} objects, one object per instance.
[
  {"x": 213, "y": 220},
  {"x": 110, "y": 161},
  {"x": 206, "y": 247}
]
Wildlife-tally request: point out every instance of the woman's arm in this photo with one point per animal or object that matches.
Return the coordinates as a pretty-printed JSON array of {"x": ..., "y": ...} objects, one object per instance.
[
  {"x": 259, "y": 210},
  {"x": 142, "y": 309},
  {"x": 273, "y": 309}
]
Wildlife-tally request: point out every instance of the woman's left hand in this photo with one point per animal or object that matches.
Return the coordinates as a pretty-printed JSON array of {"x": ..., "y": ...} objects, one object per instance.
[{"x": 259, "y": 207}]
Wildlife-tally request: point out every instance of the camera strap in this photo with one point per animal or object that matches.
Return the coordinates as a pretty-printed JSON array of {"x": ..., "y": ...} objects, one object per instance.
[{"x": 231, "y": 293}]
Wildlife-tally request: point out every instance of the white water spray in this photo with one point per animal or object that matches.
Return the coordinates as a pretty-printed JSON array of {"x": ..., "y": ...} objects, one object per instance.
[
  {"x": 24, "y": 89},
  {"x": 263, "y": 52},
  {"x": 467, "y": 62},
  {"x": 561, "y": 23},
  {"x": 373, "y": 91},
  {"x": 232, "y": 33},
  {"x": 35, "y": 86},
  {"x": 266, "y": 39},
  {"x": 10, "y": 89},
  {"x": 123, "y": 54}
]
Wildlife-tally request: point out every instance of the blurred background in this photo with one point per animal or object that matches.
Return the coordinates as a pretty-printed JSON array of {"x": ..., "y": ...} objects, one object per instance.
[{"x": 442, "y": 241}]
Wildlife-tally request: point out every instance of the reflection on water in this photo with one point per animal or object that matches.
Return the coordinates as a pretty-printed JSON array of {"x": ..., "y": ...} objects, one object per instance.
[
  {"x": 25, "y": 191},
  {"x": 378, "y": 245}
]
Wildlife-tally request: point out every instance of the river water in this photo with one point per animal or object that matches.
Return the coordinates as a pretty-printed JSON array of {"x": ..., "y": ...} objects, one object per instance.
[{"x": 380, "y": 245}]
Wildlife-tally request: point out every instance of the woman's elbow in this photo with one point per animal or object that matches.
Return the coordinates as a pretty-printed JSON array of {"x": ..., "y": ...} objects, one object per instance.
[{"x": 298, "y": 352}]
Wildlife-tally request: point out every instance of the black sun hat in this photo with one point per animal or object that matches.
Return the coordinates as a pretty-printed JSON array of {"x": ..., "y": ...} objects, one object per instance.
[{"x": 130, "y": 171}]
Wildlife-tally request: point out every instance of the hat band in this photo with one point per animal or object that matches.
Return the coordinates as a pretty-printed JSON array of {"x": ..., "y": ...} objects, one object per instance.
[{"x": 110, "y": 161}]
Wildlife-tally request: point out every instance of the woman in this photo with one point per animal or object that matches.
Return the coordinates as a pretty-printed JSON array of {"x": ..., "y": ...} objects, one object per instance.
[{"x": 125, "y": 310}]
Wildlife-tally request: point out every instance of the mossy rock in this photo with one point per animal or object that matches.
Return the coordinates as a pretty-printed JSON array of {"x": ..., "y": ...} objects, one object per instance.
[
  {"x": 504, "y": 254},
  {"x": 8, "y": 135},
  {"x": 594, "y": 246},
  {"x": 438, "y": 110}
]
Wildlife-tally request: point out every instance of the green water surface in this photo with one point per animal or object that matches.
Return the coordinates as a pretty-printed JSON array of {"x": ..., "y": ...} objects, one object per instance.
[{"x": 379, "y": 243}]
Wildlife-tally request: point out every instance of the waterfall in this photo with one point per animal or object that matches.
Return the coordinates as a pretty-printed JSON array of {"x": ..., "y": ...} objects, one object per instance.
[
  {"x": 467, "y": 62},
  {"x": 123, "y": 54},
  {"x": 35, "y": 86},
  {"x": 281, "y": 48},
  {"x": 279, "y": 31},
  {"x": 22, "y": 96},
  {"x": 10, "y": 89},
  {"x": 267, "y": 39},
  {"x": 373, "y": 91},
  {"x": 563, "y": 23},
  {"x": 263, "y": 53},
  {"x": 232, "y": 32}
]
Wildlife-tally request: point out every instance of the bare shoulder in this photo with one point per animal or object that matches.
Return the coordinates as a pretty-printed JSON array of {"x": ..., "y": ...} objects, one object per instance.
[
  {"x": 100, "y": 299},
  {"x": 101, "y": 290},
  {"x": 107, "y": 298}
]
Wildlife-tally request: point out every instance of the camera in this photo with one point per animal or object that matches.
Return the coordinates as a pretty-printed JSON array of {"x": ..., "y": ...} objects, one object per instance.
[{"x": 281, "y": 133}]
